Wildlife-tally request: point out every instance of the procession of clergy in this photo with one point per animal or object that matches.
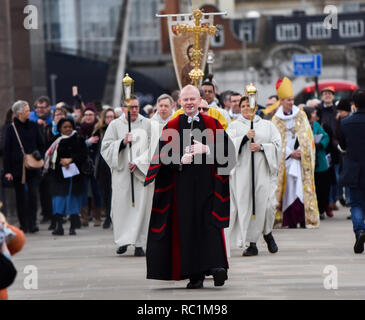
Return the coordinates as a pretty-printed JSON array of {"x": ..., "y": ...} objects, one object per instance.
[{"x": 190, "y": 206}]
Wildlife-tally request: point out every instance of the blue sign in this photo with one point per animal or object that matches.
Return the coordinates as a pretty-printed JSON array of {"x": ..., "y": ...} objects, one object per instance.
[{"x": 309, "y": 65}]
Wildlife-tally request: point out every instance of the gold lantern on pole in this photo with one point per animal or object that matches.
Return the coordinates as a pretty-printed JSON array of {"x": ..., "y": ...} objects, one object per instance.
[{"x": 128, "y": 91}]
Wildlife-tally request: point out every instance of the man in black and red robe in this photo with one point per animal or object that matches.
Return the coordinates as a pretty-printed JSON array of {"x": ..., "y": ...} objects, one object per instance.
[{"x": 191, "y": 198}]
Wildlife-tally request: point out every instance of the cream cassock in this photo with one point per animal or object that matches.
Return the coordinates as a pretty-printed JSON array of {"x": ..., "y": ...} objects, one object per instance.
[
  {"x": 242, "y": 227},
  {"x": 130, "y": 224}
]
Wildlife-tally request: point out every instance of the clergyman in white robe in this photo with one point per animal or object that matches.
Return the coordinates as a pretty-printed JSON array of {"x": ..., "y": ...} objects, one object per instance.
[
  {"x": 243, "y": 228},
  {"x": 130, "y": 224}
]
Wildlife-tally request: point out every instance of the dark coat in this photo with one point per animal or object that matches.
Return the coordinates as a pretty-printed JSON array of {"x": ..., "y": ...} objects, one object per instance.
[
  {"x": 328, "y": 122},
  {"x": 31, "y": 139},
  {"x": 75, "y": 148},
  {"x": 102, "y": 170},
  {"x": 353, "y": 141},
  {"x": 190, "y": 210}
]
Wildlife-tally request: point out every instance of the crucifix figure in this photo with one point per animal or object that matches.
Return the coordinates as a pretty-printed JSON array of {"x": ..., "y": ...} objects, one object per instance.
[{"x": 197, "y": 74}]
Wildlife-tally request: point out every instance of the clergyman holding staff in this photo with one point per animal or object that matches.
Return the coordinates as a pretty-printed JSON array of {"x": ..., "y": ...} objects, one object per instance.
[
  {"x": 130, "y": 223},
  {"x": 244, "y": 227}
]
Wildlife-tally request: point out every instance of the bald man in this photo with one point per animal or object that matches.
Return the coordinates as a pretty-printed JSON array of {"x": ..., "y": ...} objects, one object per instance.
[{"x": 185, "y": 237}]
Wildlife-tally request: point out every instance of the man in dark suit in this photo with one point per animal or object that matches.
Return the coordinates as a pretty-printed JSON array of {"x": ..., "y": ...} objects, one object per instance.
[{"x": 352, "y": 140}]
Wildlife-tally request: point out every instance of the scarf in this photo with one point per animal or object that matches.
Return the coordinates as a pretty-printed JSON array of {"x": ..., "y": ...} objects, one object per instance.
[
  {"x": 86, "y": 129},
  {"x": 51, "y": 154}
]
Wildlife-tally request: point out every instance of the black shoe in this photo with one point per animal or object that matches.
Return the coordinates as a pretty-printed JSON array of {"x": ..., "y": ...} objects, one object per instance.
[
  {"x": 359, "y": 244},
  {"x": 77, "y": 221},
  {"x": 72, "y": 232},
  {"x": 107, "y": 223},
  {"x": 271, "y": 244},
  {"x": 349, "y": 217},
  {"x": 58, "y": 232},
  {"x": 321, "y": 216},
  {"x": 219, "y": 276},
  {"x": 138, "y": 252},
  {"x": 292, "y": 226},
  {"x": 195, "y": 285},
  {"x": 251, "y": 250},
  {"x": 59, "y": 228},
  {"x": 34, "y": 229},
  {"x": 122, "y": 249}
]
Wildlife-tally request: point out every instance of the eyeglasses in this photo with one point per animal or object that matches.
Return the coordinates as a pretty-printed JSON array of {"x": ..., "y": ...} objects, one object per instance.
[
  {"x": 203, "y": 109},
  {"x": 109, "y": 117},
  {"x": 42, "y": 108}
]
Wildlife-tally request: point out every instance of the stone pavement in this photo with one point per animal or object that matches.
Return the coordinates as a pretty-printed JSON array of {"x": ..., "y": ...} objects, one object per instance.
[{"x": 86, "y": 267}]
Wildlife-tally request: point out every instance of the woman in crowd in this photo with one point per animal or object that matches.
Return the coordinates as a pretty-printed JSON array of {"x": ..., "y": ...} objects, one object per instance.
[
  {"x": 45, "y": 196},
  {"x": 51, "y": 129},
  {"x": 23, "y": 134},
  {"x": 86, "y": 130},
  {"x": 68, "y": 151},
  {"x": 267, "y": 153},
  {"x": 103, "y": 174},
  {"x": 321, "y": 172}
]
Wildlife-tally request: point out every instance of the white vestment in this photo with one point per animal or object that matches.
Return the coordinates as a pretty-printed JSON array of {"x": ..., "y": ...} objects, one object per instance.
[
  {"x": 294, "y": 186},
  {"x": 130, "y": 224},
  {"x": 243, "y": 228}
]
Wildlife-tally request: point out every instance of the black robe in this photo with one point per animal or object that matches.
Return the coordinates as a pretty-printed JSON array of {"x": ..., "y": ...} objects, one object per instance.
[{"x": 190, "y": 208}]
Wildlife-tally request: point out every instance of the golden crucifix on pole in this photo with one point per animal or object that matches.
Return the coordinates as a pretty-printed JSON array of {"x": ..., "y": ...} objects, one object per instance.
[{"x": 196, "y": 74}]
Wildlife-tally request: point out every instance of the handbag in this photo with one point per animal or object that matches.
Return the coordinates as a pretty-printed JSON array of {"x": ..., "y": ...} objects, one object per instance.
[{"x": 29, "y": 161}]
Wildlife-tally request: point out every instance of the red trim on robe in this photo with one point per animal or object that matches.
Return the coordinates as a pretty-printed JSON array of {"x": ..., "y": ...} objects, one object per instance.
[
  {"x": 154, "y": 167},
  {"x": 151, "y": 177},
  {"x": 158, "y": 230},
  {"x": 161, "y": 210},
  {"x": 219, "y": 218},
  {"x": 221, "y": 198},
  {"x": 164, "y": 189}
]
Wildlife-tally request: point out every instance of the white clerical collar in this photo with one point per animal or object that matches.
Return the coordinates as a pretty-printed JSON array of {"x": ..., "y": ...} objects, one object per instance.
[
  {"x": 193, "y": 115},
  {"x": 233, "y": 115},
  {"x": 280, "y": 113}
]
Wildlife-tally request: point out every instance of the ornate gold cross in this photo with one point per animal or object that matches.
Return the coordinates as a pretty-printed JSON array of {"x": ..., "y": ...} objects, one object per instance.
[{"x": 196, "y": 74}]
